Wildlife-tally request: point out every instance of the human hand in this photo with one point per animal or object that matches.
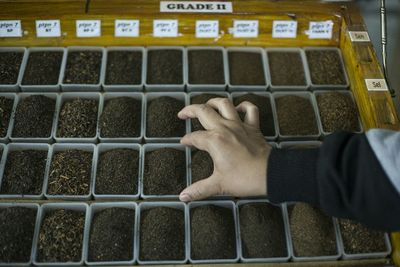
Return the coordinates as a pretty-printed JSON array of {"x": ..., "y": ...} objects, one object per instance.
[{"x": 237, "y": 148}]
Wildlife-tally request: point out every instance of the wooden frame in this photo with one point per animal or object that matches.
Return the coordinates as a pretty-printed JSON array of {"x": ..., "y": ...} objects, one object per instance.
[{"x": 376, "y": 107}]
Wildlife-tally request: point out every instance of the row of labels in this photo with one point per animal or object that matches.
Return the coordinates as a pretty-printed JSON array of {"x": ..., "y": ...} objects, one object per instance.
[{"x": 170, "y": 28}]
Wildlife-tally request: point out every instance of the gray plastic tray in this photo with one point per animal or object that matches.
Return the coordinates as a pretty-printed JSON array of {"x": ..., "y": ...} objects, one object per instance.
[
  {"x": 316, "y": 93},
  {"x": 56, "y": 206},
  {"x": 289, "y": 87},
  {"x": 43, "y": 88},
  {"x": 152, "y": 147},
  {"x": 269, "y": 95},
  {"x": 96, "y": 207},
  {"x": 69, "y": 96},
  {"x": 244, "y": 87},
  {"x": 176, "y": 205},
  {"x": 12, "y": 96},
  {"x": 106, "y": 147},
  {"x": 359, "y": 256},
  {"x": 193, "y": 94},
  {"x": 166, "y": 87},
  {"x": 24, "y": 205},
  {"x": 14, "y": 87},
  {"x": 63, "y": 147},
  {"x": 311, "y": 98},
  {"x": 82, "y": 87},
  {"x": 150, "y": 96},
  {"x": 272, "y": 259},
  {"x": 317, "y": 258},
  {"x": 18, "y": 147},
  {"x": 108, "y": 96},
  {"x": 48, "y": 139},
  {"x": 327, "y": 86},
  {"x": 207, "y": 87},
  {"x": 124, "y": 87},
  {"x": 225, "y": 204}
]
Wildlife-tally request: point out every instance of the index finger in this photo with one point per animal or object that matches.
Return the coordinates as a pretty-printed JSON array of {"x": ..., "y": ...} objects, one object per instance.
[{"x": 207, "y": 116}]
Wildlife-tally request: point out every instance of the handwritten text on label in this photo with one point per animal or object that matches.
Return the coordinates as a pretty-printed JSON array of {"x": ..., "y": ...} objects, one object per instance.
[
  {"x": 126, "y": 28},
  {"x": 48, "y": 28},
  {"x": 10, "y": 28}
]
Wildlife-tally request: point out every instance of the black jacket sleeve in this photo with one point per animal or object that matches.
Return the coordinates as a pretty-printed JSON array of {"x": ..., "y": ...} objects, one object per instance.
[{"x": 343, "y": 177}]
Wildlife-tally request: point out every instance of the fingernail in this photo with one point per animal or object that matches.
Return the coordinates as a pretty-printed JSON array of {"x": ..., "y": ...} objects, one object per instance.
[{"x": 184, "y": 197}]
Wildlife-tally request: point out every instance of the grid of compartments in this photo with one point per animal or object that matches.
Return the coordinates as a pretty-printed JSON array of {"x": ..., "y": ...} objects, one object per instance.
[
  {"x": 111, "y": 144},
  {"x": 214, "y": 231}
]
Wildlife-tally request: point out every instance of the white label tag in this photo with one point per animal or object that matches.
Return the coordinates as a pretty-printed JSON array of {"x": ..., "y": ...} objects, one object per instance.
[
  {"x": 320, "y": 30},
  {"x": 88, "y": 28},
  {"x": 376, "y": 84},
  {"x": 48, "y": 28},
  {"x": 207, "y": 28},
  {"x": 195, "y": 7},
  {"x": 10, "y": 28},
  {"x": 284, "y": 29},
  {"x": 165, "y": 28},
  {"x": 359, "y": 36},
  {"x": 245, "y": 28},
  {"x": 126, "y": 28}
]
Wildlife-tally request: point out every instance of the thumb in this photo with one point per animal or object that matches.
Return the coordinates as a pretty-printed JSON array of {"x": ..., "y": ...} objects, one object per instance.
[{"x": 201, "y": 189}]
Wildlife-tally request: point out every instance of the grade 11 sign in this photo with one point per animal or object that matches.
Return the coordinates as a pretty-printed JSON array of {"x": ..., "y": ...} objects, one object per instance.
[{"x": 195, "y": 7}]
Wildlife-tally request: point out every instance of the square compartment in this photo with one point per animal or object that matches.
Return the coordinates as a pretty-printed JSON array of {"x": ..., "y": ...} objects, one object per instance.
[
  {"x": 149, "y": 205},
  {"x": 108, "y": 96},
  {"x": 154, "y": 147},
  {"x": 49, "y": 207},
  {"x": 332, "y": 257},
  {"x": 20, "y": 147},
  {"x": 273, "y": 110},
  {"x": 53, "y": 87},
  {"x": 69, "y": 97},
  {"x": 8, "y": 127},
  {"x": 35, "y": 207},
  {"x": 207, "y": 86},
  {"x": 261, "y": 86},
  {"x": 126, "y": 87},
  {"x": 284, "y": 227},
  {"x": 195, "y": 94},
  {"x": 83, "y": 86},
  {"x": 47, "y": 139},
  {"x": 167, "y": 86},
  {"x": 107, "y": 147},
  {"x": 315, "y": 85},
  {"x": 62, "y": 148},
  {"x": 151, "y": 96},
  {"x": 288, "y": 87},
  {"x": 97, "y": 207},
  {"x": 14, "y": 87},
  {"x": 222, "y": 204},
  {"x": 350, "y": 95},
  {"x": 306, "y": 95},
  {"x": 365, "y": 255}
]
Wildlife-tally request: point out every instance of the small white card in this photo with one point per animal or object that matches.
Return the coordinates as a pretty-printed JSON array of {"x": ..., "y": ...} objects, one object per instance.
[
  {"x": 284, "y": 29},
  {"x": 245, "y": 28},
  {"x": 320, "y": 30},
  {"x": 376, "y": 84},
  {"x": 88, "y": 28},
  {"x": 10, "y": 28},
  {"x": 207, "y": 28},
  {"x": 48, "y": 28},
  {"x": 126, "y": 28},
  {"x": 165, "y": 28},
  {"x": 359, "y": 36}
]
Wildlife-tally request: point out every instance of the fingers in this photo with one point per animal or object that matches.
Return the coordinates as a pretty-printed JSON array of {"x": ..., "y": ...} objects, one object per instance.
[
  {"x": 200, "y": 190},
  {"x": 251, "y": 113},
  {"x": 207, "y": 116},
  {"x": 224, "y": 107},
  {"x": 198, "y": 139}
]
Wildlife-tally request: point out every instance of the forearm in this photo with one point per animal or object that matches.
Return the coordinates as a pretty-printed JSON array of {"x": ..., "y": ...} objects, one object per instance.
[{"x": 343, "y": 177}]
